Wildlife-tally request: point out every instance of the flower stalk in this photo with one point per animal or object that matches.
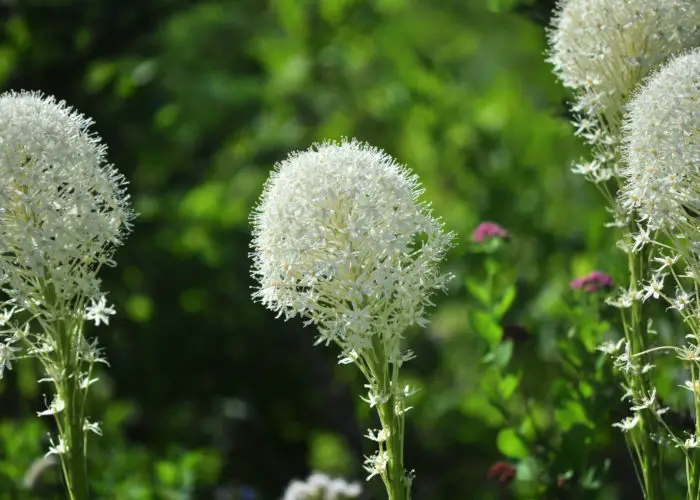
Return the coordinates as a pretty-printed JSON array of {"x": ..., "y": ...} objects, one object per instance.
[
  {"x": 340, "y": 239},
  {"x": 63, "y": 212}
]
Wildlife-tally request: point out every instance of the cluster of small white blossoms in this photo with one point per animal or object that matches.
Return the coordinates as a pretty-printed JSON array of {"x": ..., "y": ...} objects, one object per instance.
[
  {"x": 63, "y": 211},
  {"x": 661, "y": 184},
  {"x": 340, "y": 239},
  {"x": 319, "y": 486},
  {"x": 662, "y": 147},
  {"x": 602, "y": 49},
  {"x": 625, "y": 361}
]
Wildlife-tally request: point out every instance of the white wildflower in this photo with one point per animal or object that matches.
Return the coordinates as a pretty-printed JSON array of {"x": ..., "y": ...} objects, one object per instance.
[
  {"x": 63, "y": 209},
  {"x": 692, "y": 386},
  {"x": 647, "y": 401},
  {"x": 689, "y": 352},
  {"x": 624, "y": 361},
  {"x": 691, "y": 442},
  {"x": 654, "y": 287},
  {"x": 610, "y": 347},
  {"x": 86, "y": 381},
  {"x": 340, "y": 489},
  {"x": 340, "y": 238},
  {"x": 99, "y": 311},
  {"x": 681, "y": 300},
  {"x": 6, "y": 315},
  {"x": 379, "y": 436},
  {"x": 348, "y": 358},
  {"x": 626, "y": 394},
  {"x": 376, "y": 464},
  {"x": 373, "y": 399},
  {"x": 319, "y": 486},
  {"x": 602, "y": 48},
  {"x": 647, "y": 368},
  {"x": 641, "y": 239},
  {"x": 92, "y": 427},
  {"x": 57, "y": 449},
  {"x": 627, "y": 423},
  {"x": 7, "y": 354},
  {"x": 56, "y": 407},
  {"x": 299, "y": 490},
  {"x": 666, "y": 261},
  {"x": 662, "y": 146}
]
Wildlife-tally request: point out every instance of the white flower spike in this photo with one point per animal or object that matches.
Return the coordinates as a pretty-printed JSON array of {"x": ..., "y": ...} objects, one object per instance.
[
  {"x": 63, "y": 209},
  {"x": 662, "y": 147},
  {"x": 603, "y": 48},
  {"x": 340, "y": 238}
]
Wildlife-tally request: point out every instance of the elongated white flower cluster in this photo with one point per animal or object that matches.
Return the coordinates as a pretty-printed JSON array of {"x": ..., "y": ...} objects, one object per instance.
[
  {"x": 603, "y": 48},
  {"x": 63, "y": 210},
  {"x": 319, "y": 486},
  {"x": 341, "y": 239},
  {"x": 662, "y": 146}
]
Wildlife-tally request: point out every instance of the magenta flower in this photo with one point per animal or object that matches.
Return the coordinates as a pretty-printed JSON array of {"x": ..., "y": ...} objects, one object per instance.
[
  {"x": 503, "y": 472},
  {"x": 487, "y": 230},
  {"x": 592, "y": 282}
]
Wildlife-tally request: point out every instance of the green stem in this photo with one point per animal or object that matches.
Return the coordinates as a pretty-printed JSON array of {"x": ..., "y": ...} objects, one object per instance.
[
  {"x": 391, "y": 416},
  {"x": 649, "y": 452},
  {"x": 72, "y": 418},
  {"x": 692, "y": 471}
]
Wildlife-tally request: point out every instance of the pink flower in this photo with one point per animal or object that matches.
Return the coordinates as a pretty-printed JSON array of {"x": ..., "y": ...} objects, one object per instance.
[
  {"x": 502, "y": 472},
  {"x": 592, "y": 282},
  {"x": 487, "y": 230}
]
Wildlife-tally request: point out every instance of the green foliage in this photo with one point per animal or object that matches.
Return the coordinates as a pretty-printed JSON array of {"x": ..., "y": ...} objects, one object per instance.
[{"x": 206, "y": 392}]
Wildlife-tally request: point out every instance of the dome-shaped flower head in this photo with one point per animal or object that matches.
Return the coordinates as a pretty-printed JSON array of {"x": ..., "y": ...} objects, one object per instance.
[
  {"x": 603, "y": 48},
  {"x": 340, "y": 238},
  {"x": 62, "y": 208},
  {"x": 662, "y": 145}
]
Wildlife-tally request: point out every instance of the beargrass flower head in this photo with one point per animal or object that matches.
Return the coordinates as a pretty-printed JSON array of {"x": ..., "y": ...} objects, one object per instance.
[
  {"x": 662, "y": 146},
  {"x": 603, "y": 48},
  {"x": 341, "y": 239},
  {"x": 63, "y": 209}
]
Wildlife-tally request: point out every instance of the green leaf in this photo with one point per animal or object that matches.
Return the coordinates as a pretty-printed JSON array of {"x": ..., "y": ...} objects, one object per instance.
[
  {"x": 500, "y": 356},
  {"x": 527, "y": 469},
  {"x": 508, "y": 385},
  {"x": 571, "y": 414},
  {"x": 487, "y": 328},
  {"x": 510, "y": 444},
  {"x": 167, "y": 473},
  {"x": 506, "y": 301},
  {"x": 334, "y": 11},
  {"x": 479, "y": 291}
]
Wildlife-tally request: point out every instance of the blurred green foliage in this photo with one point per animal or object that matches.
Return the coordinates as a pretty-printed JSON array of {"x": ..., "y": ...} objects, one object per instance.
[{"x": 207, "y": 395}]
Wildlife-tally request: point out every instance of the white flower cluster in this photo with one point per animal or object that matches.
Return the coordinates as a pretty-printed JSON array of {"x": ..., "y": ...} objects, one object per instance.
[
  {"x": 603, "y": 48},
  {"x": 662, "y": 146},
  {"x": 319, "y": 486},
  {"x": 63, "y": 210},
  {"x": 341, "y": 239}
]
